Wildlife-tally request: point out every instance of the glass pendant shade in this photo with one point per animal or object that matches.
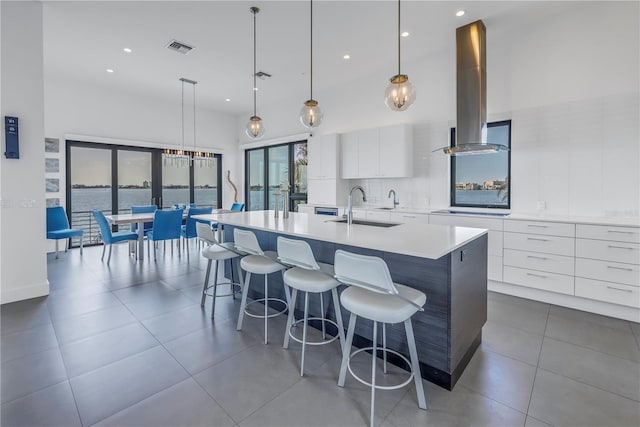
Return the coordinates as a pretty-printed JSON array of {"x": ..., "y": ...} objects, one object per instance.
[
  {"x": 255, "y": 128},
  {"x": 400, "y": 93},
  {"x": 310, "y": 114}
]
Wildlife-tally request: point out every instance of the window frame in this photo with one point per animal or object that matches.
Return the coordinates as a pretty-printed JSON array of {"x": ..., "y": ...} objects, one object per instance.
[{"x": 452, "y": 176}]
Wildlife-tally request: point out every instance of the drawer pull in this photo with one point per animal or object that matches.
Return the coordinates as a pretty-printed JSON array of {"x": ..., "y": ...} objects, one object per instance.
[
  {"x": 537, "y": 257},
  {"x": 620, "y": 232},
  {"x": 537, "y": 226},
  {"x": 619, "y": 268},
  {"x": 537, "y": 239},
  {"x": 408, "y": 216},
  {"x": 618, "y": 289},
  {"x": 620, "y": 247},
  {"x": 537, "y": 275}
]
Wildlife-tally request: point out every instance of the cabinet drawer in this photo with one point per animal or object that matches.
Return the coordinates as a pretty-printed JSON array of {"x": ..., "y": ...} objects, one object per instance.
[
  {"x": 494, "y": 268},
  {"x": 540, "y": 280},
  {"x": 608, "y": 251},
  {"x": 628, "y": 274},
  {"x": 610, "y": 292},
  {"x": 538, "y": 243},
  {"x": 467, "y": 221},
  {"x": 539, "y": 227},
  {"x": 404, "y": 217},
  {"x": 604, "y": 232},
  {"x": 542, "y": 262},
  {"x": 359, "y": 213}
]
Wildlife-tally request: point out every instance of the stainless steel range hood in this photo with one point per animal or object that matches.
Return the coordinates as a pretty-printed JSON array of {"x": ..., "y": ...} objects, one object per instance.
[{"x": 471, "y": 93}]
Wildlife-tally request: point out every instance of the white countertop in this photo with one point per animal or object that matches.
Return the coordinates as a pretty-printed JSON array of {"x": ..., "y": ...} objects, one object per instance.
[{"x": 414, "y": 239}]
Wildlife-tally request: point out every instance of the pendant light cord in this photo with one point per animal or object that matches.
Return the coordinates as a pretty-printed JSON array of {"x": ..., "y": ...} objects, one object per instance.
[
  {"x": 398, "y": 37},
  {"x": 311, "y": 52},
  {"x": 254, "y": 62},
  {"x": 182, "y": 105}
]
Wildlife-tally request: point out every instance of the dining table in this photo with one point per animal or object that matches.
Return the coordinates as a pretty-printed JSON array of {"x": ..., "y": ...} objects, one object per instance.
[{"x": 140, "y": 219}]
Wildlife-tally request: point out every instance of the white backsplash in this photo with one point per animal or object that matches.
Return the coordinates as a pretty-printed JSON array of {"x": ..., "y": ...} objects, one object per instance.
[{"x": 579, "y": 158}]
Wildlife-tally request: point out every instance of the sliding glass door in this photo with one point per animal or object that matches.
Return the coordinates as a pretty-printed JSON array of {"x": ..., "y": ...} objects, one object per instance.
[
  {"x": 112, "y": 178},
  {"x": 267, "y": 168}
]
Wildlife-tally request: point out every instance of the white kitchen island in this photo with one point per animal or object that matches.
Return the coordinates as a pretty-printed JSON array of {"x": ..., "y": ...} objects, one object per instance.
[{"x": 447, "y": 263}]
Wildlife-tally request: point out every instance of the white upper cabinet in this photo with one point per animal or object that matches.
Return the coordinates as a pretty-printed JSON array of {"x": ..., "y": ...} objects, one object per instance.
[
  {"x": 322, "y": 155},
  {"x": 396, "y": 151},
  {"x": 378, "y": 153}
]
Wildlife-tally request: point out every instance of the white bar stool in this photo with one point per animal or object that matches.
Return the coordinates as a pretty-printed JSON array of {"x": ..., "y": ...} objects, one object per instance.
[
  {"x": 374, "y": 296},
  {"x": 257, "y": 262},
  {"x": 215, "y": 251},
  {"x": 307, "y": 276}
]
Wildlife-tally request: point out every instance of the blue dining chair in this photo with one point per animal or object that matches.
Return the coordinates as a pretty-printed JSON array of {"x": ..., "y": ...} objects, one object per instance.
[
  {"x": 236, "y": 207},
  {"x": 58, "y": 228},
  {"x": 189, "y": 228},
  {"x": 143, "y": 209},
  {"x": 167, "y": 225},
  {"x": 109, "y": 237}
]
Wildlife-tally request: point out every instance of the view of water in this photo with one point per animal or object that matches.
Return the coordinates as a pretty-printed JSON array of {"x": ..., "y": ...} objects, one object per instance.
[
  {"x": 480, "y": 197},
  {"x": 87, "y": 199}
]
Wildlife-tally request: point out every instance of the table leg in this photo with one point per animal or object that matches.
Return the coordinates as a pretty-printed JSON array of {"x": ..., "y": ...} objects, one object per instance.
[{"x": 141, "y": 240}]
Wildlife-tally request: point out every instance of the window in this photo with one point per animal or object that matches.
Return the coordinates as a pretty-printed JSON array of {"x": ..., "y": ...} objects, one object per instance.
[
  {"x": 482, "y": 181},
  {"x": 267, "y": 167}
]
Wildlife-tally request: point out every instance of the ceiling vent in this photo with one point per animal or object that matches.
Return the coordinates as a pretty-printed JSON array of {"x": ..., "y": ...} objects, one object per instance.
[
  {"x": 262, "y": 75},
  {"x": 179, "y": 47}
]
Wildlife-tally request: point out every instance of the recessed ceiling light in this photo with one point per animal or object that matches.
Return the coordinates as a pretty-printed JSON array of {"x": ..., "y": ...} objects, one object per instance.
[
  {"x": 405, "y": 34},
  {"x": 109, "y": 70},
  {"x": 461, "y": 12},
  {"x": 228, "y": 99},
  {"x": 127, "y": 50},
  {"x": 347, "y": 56}
]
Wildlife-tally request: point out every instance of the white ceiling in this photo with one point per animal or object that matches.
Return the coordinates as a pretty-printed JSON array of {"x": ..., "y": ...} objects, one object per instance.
[{"x": 84, "y": 38}]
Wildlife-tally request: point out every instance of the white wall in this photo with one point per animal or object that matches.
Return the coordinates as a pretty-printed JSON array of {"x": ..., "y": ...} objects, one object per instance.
[
  {"x": 23, "y": 272},
  {"x": 570, "y": 83},
  {"x": 88, "y": 109}
]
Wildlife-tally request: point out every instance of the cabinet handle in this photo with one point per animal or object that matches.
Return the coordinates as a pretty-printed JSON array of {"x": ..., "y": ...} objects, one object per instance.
[
  {"x": 537, "y": 275},
  {"x": 537, "y": 257},
  {"x": 538, "y": 226},
  {"x": 619, "y": 268},
  {"x": 408, "y": 216},
  {"x": 620, "y": 247},
  {"x": 618, "y": 289},
  {"x": 537, "y": 239},
  {"x": 620, "y": 232}
]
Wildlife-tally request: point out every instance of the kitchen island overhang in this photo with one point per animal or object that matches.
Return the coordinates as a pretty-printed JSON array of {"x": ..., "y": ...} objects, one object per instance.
[{"x": 447, "y": 263}]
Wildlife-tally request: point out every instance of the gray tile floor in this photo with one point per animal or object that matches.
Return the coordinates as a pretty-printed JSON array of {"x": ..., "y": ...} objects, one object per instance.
[{"x": 128, "y": 345}]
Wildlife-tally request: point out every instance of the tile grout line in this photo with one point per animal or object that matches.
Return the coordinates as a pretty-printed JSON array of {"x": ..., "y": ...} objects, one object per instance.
[{"x": 533, "y": 384}]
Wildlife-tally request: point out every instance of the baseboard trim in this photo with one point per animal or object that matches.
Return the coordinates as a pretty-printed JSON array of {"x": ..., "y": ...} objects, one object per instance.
[{"x": 24, "y": 292}]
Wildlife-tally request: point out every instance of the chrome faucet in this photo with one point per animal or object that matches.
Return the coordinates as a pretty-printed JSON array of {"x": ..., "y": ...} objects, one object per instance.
[
  {"x": 395, "y": 200},
  {"x": 350, "y": 203}
]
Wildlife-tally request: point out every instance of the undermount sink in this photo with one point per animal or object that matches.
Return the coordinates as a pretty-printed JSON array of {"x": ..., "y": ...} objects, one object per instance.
[{"x": 372, "y": 223}]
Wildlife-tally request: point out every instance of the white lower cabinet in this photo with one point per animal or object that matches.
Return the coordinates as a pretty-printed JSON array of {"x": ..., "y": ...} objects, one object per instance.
[
  {"x": 537, "y": 261},
  {"x": 406, "y": 217},
  {"x": 379, "y": 215},
  {"x": 495, "y": 237}
]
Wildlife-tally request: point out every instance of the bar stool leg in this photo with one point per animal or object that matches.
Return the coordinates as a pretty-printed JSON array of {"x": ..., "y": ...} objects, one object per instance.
[
  {"x": 336, "y": 307},
  {"x": 215, "y": 289},
  {"x": 324, "y": 331},
  {"x": 346, "y": 352},
  {"x": 384, "y": 347},
  {"x": 373, "y": 371},
  {"x": 243, "y": 303},
  {"x": 266, "y": 309},
  {"x": 411, "y": 342},
  {"x": 304, "y": 330},
  {"x": 233, "y": 279},
  {"x": 206, "y": 283},
  {"x": 294, "y": 296}
]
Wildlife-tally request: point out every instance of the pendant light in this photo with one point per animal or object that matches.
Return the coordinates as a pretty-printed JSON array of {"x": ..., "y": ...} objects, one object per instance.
[
  {"x": 255, "y": 128},
  {"x": 184, "y": 158},
  {"x": 400, "y": 93},
  {"x": 310, "y": 114}
]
